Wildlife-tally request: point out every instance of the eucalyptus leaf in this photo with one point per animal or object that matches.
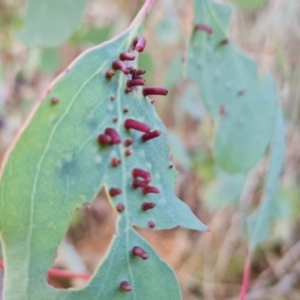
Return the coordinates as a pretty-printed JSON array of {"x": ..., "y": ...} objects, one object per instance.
[{"x": 57, "y": 164}]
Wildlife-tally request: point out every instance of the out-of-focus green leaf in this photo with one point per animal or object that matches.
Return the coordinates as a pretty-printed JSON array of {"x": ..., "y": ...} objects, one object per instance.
[
  {"x": 50, "y": 23},
  {"x": 168, "y": 31},
  {"x": 178, "y": 151},
  {"x": 224, "y": 191},
  {"x": 174, "y": 72},
  {"x": 241, "y": 103},
  {"x": 251, "y": 4},
  {"x": 49, "y": 60},
  {"x": 146, "y": 63},
  {"x": 92, "y": 35},
  {"x": 259, "y": 221},
  {"x": 57, "y": 164},
  {"x": 191, "y": 103}
]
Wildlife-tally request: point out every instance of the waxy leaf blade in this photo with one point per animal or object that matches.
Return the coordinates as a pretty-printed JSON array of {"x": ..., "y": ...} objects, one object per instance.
[
  {"x": 57, "y": 164},
  {"x": 50, "y": 23},
  {"x": 240, "y": 101}
]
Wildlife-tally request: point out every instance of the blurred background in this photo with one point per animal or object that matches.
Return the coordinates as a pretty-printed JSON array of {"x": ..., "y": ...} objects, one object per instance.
[{"x": 208, "y": 265}]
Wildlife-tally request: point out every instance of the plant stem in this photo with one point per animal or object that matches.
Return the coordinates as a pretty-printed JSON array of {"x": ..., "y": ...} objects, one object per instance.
[{"x": 57, "y": 273}]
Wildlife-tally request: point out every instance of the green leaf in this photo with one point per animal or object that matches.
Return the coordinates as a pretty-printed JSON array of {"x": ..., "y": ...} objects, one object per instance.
[
  {"x": 49, "y": 60},
  {"x": 179, "y": 152},
  {"x": 251, "y": 4},
  {"x": 258, "y": 222},
  {"x": 50, "y": 23},
  {"x": 224, "y": 191},
  {"x": 241, "y": 103},
  {"x": 57, "y": 164}
]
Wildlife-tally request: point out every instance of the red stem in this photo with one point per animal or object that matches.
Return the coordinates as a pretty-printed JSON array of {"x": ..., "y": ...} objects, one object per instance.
[
  {"x": 246, "y": 276},
  {"x": 57, "y": 273}
]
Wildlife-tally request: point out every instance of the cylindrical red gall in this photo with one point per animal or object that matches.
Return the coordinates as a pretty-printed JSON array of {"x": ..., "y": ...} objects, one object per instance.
[
  {"x": 139, "y": 72},
  {"x": 154, "y": 90},
  {"x": 147, "y": 205},
  {"x": 139, "y": 43},
  {"x": 127, "y": 56},
  {"x": 115, "y": 138},
  {"x": 135, "y": 82},
  {"x": 150, "y": 135},
  {"x": 141, "y": 173},
  {"x": 104, "y": 139},
  {"x": 120, "y": 65},
  {"x": 203, "y": 27},
  {"x": 138, "y": 251},
  {"x": 133, "y": 124},
  {"x": 125, "y": 286},
  {"x": 151, "y": 190},
  {"x": 139, "y": 184},
  {"x": 115, "y": 191}
]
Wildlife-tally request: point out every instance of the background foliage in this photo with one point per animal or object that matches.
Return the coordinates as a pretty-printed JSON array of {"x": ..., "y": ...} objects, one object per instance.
[{"x": 209, "y": 266}]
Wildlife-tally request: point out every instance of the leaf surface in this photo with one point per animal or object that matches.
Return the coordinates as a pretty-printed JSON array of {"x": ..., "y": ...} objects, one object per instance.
[
  {"x": 241, "y": 102},
  {"x": 57, "y": 164},
  {"x": 49, "y": 23}
]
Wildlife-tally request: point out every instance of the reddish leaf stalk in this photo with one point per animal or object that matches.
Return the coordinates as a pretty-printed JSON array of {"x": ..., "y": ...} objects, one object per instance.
[
  {"x": 246, "y": 276},
  {"x": 58, "y": 273},
  {"x": 133, "y": 124}
]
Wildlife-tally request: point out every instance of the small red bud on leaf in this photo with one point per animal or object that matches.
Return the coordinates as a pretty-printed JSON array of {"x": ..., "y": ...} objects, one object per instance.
[
  {"x": 54, "y": 100},
  {"x": 133, "y": 124},
  {"x": 150, "y": 135},
  {"x": 120, "y": 65},
  {"x": 135, "y": 82},
  {"x": 112, "y": 97},
  {"x": 115, "y": 162},
  {"x": 137, "y": 251},
  {"x": 109, "y": 74},
  {"x": 128, "y": 152},
  {"x": 141, "y": 173},
  {"x": 114, "y": 120},
  {"x": 147, "y": 205},
  {"x": 224, "y": 42},
  {"x": 125, "y": 286},
  {"x": 151, "y": 190},
  {"x": 154, "y": 90},
  {"x": 203, "y": 27},
  {"x": 139, "y": 43},
  {"x": 127, "y": 56},
  {"x": 115, "y": 191},
  {"x": 127, "y": 90},
  {"x": 125, "y": 110},
  {"x": 151, "y": 224},
  {"x": 128, "y": 142},
  {"x": 120, "y": 207}
]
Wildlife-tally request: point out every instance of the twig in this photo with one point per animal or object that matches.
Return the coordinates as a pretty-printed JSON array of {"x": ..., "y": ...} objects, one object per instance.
[{"x": 57, "y": 273}]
